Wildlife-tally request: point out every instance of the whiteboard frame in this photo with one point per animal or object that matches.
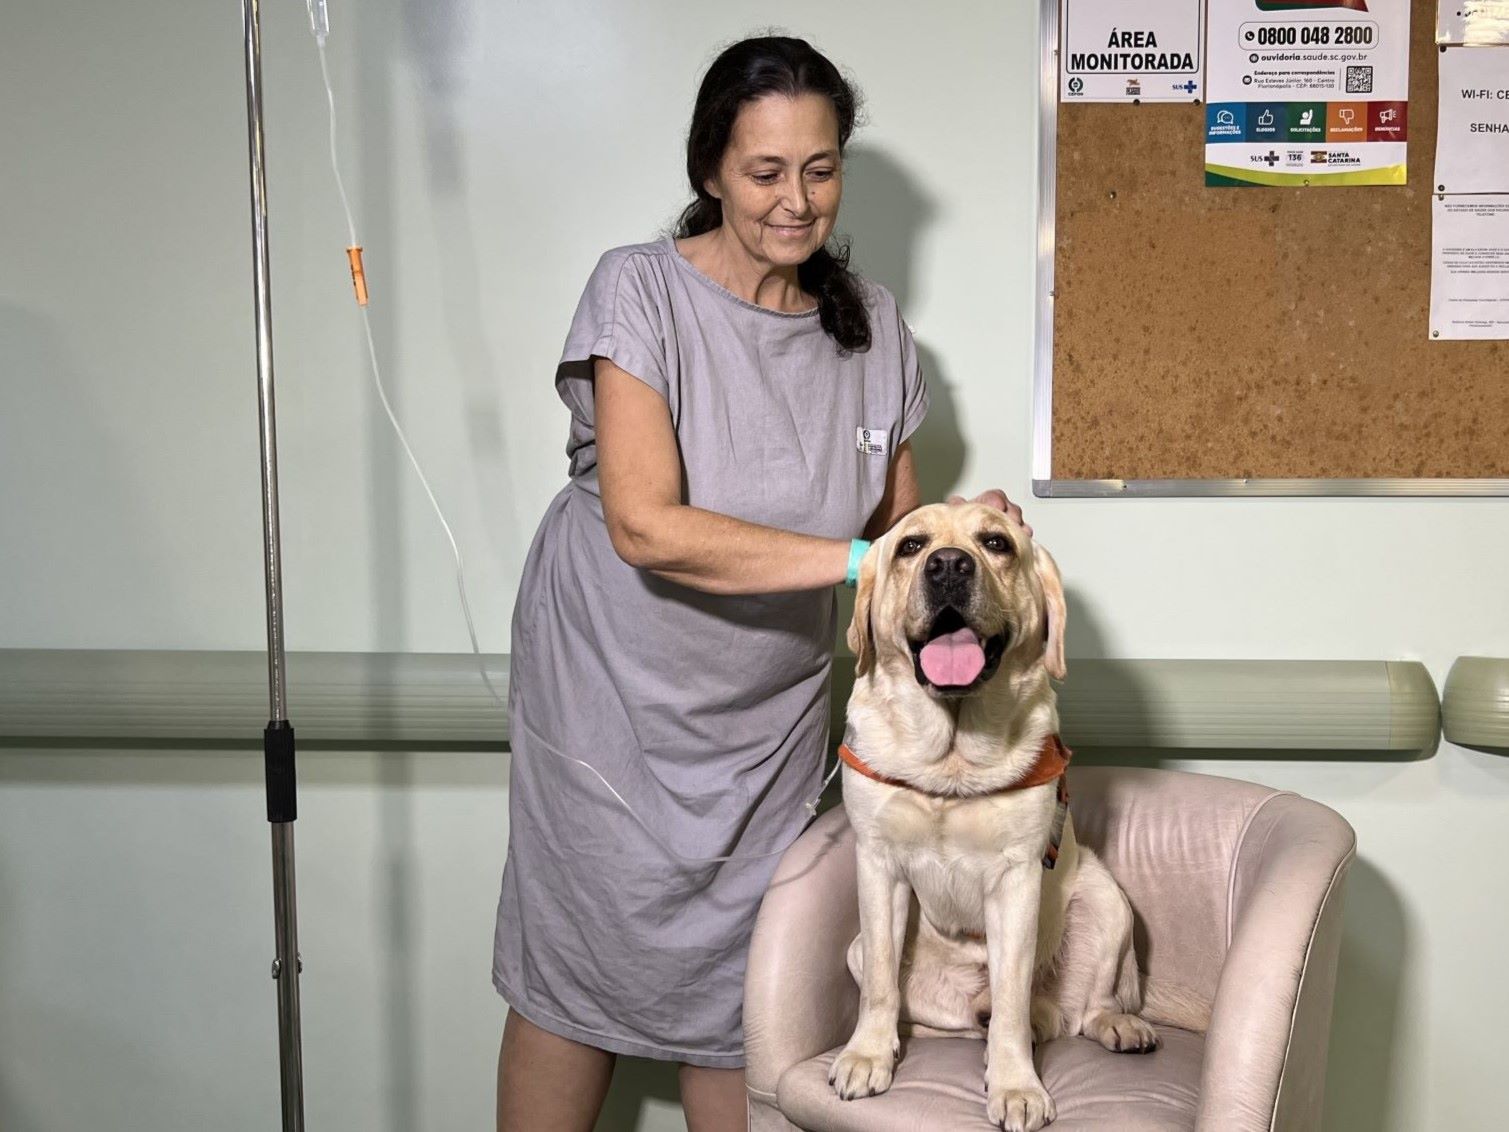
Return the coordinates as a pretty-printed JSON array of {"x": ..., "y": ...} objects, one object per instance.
[{"x": 1044, "y": 485}]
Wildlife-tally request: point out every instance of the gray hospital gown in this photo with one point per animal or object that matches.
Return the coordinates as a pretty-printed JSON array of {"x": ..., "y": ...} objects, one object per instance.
[{"x": 707, "y": 713}]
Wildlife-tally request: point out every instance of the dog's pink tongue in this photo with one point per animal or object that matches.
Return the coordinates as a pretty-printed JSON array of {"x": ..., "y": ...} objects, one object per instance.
[{"x": 953, "y": 659}]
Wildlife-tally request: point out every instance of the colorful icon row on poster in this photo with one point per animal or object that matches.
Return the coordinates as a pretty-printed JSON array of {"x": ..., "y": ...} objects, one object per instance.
[{"x": 1305, "y": 121}]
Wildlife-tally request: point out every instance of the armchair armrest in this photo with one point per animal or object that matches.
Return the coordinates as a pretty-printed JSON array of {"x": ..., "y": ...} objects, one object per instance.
[
  {"x": 799, "y": 998},
  {"x": 1265, "y": 1052}
]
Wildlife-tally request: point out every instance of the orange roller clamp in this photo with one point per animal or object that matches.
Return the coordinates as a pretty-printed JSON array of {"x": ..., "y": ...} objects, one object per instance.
[{"x": 358, "y": 275}]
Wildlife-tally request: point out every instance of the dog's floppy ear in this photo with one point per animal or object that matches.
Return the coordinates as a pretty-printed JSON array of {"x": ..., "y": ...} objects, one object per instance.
[
  {"x": 1058, "y": 611},
  {"x": 861, "y": 635}
]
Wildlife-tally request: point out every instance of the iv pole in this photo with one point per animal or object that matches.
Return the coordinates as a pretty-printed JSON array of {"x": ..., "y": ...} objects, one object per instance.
[{"x": 277, "y": 738}]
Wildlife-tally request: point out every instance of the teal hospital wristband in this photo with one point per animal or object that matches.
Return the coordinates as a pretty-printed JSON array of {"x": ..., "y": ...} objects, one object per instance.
[{"x": 857, "y": 548}]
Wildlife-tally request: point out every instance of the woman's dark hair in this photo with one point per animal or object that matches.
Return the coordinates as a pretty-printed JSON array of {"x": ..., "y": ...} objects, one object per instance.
[{"x": 751, "y": 69}]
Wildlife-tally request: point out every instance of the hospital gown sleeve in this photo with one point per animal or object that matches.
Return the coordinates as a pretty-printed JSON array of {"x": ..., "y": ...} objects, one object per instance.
[
  {"x": 619, "y": 317},
  {"x": 914, "y": 391}
]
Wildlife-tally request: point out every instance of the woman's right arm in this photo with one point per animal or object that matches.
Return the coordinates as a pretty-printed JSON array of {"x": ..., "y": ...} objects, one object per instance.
[{"x": 652, "y": 528}]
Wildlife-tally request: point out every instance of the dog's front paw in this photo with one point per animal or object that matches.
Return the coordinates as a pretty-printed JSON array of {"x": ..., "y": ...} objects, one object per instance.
[
  {"x": 1122, "y": 1033},
  {"x": 862, "y": 1072},
  {"x": 1020, "y": 1110}
]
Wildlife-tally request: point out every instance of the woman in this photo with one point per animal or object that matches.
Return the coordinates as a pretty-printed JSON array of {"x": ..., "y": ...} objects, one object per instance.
[{"x": 740, "y": 411}]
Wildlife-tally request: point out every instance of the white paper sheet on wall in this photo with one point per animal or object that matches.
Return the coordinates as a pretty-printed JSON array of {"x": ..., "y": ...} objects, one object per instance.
[
  {"x": 1469, "y": 267},
  {"x": 1477, "y": 22},
  {"x": 1472, "y": 141}
]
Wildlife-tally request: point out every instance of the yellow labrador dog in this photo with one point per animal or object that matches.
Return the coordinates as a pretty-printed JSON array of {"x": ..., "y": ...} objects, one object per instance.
[{"x": 952, "y": 784}]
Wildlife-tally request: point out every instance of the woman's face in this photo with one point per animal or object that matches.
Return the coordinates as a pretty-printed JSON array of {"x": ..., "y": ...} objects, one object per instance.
[{"x": 781, "y": 179}]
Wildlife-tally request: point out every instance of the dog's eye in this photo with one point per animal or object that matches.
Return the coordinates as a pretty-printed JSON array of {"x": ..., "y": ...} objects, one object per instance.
[
  {"x": 1000, "y": 544},
  {"x": 909, "y": 546}
]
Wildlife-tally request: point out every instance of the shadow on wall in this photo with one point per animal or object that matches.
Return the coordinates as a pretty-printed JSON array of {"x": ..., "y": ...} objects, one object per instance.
[
  {"x": 434, "y": 34},
  {"x": 886, "y": 213},
  {"x": 380, "y": 44},
  {"x": 1375, "y": 944}
]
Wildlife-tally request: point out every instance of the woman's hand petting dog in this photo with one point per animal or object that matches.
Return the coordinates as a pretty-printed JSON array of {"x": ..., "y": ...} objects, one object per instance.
[{"x": 996, "y": 498}]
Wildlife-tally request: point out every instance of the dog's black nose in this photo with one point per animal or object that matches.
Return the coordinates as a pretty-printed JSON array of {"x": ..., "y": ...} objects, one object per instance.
[{"x": 949, "y": 564}]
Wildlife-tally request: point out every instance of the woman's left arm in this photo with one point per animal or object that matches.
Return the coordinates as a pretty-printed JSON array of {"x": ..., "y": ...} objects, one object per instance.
[{"x": 902, "y": 495}]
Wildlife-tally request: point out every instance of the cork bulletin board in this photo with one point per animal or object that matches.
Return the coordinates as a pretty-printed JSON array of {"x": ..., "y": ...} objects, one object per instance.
[{"x": 1263, "y": 341}]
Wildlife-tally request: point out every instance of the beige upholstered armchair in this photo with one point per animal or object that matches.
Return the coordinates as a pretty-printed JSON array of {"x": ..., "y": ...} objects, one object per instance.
[{"x": 1237, "y": 891}]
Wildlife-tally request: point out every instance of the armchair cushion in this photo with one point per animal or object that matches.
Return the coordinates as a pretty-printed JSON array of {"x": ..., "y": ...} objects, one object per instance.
[{"x": 940, "y": 1084}]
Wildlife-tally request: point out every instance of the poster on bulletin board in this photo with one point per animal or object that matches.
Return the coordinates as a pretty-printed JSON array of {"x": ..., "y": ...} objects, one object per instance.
[
  {"x": 1131, "y": 50},
  {"x": 1307, "y": 92}
]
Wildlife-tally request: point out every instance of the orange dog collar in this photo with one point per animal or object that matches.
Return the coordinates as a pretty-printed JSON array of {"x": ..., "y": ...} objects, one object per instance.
[{"x": 1052, "y": 764}]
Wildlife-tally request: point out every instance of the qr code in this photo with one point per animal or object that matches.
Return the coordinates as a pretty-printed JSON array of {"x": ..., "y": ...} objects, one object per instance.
[{"x": 1359, "y": 80}]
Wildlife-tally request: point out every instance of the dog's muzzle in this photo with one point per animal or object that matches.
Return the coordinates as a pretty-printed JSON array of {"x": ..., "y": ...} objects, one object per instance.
[
  {"x": 954, "y": 656},
  {"x": 949, "y": 575}
]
